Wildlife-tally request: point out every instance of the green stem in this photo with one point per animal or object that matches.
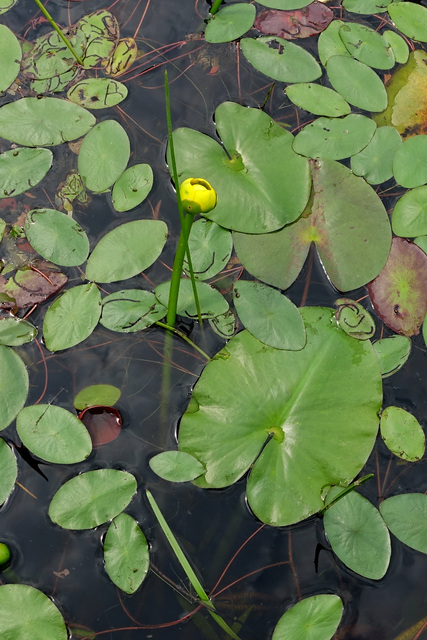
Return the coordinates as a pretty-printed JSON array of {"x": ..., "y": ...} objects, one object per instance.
[
  {"x": 58, "y": 30},
  {"x": 184, "y": 337},
  {"x": 186, "y": 223},
  {"x": 344, "y": 492},
  {"x": 215, "y": 7},
  {"x": 189, "y": 572}
]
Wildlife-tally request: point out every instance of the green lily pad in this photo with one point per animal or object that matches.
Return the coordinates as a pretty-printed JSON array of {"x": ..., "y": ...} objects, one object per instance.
[
  {"x": 176, "y": 466},
  {"x": 392, "y": 353},
  {"x": 210, "y": 249},
  {"x": 367, "y": 45},
  {"x": 254, "y": 173},
  {"x": 399, "y": 293},
  {"x": 21, "y": 169},
  {"x": 353, "y": 318},
  {"x": 410, "y": 162},
  {"x": 421, "y": 242},
  {"x": 284, "y": 4},
  {"x": 402, "y": 434},
  {"x": 409, "y": 217},
  {"x": 127, "y": 250},
  {"x": 410, "y": 19},
  {"x": 212, "y": 303},
  {"x": 357, "y": 83},
  {"x": 72, "y": 317},
  {"x": 132, "y": 187},
  {"x": 269, "y": 315},
  {"x": 10, "y": 56},
  {"x": 313, "y": 618},
  {"x": 131, "y": 310},
  {"x": 100, "y": 32},
  {"x": 230, "y": 22},
  {"x": 330, "y": 43},
  {"x": 104, "y": 154},
  {"x": 16, "y": 331},
  {"x": 398, "y": 44},
  {"x": 43, "y": 122},
  {"x": 375, "y": 161},
  {"x": 317, "y": 99},
  {"x": 347, "y": 222},
  {"x": 92, "y": 498},
  {"x": 126, "y": 553},
  {"x": 283, "y": 412},
  {"x": 56, "y": 237},
  {"x": 358, "y": 534},
  {"x": 9, "y": 471},
  {"x": 406, "y": 517},
  {"x": 367, "y": 7},
  {"x": 280, "y": 59},
  {"x": 97, "y": 93},
  {"x": 97, "y": 394},
  {"x": 224, "y": 325},
  {"x": 49, "y": 64},
  {"x": 28, "y": 614},
  {"x": 5, "y": 5},
  {"x": 13, "y": 387},
  {"x": 334, "y": 138},
  {"x": 53, "y": 434}
]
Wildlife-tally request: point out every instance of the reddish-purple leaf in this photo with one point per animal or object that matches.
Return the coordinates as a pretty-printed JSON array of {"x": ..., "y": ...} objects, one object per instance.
[
  {"x": 103, "y": 423},
  {"x": 29, "y": 286},
  {"x": 399, "y": 292},
  {"x": 299, "y": 23}
]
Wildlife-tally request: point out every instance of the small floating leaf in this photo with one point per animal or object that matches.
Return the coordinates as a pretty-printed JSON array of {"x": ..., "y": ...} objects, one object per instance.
[
  {"x": 28, "y": 614},
  {"x": 406, "y": 517},
  {"x": 357, "y": 83},
  {"x": 176, "y": 466},
  {"x": 358, "y": 534},
  {"x": 16, "y": 331},
  {"x": 72, "y": 317},
  {"x": 334, "y": 138},
  {"x": 375, "y": 161},
  {"x": 100, "y": 32},
  {"x": 92, "y": 498},
  {"x": 330, "y": 43},
  {"x": 210, "y": 248},
  {"x": 43, "y": 121},
  {"x": 280, "y": 59},
  {"x": 398, "y": 44},
  {"x": 56, "y": 237},
  {"x": 399, "y": 292},
  {"x": 392, "y": 353},
  {"x": 269, "y": 315},
  {"x": 230, "y": 23},
  {"x": 402, "y": 434},
  {"x": 409, "y": 217},
  {"x": 97, "y": 93},
  {"x": 131, "y": 310},
  {"x": 100, "y": 394},
  {"x": 126, "y": 553},
  {"x": 367, "y": 45},
  {"x": 302, "y": 23},
  {"x": 14, "y": 385},
  {"x": 10, "y": 57},
  {"x": 367, "y": 7},
  {"x": 9, "y": 471},
  {"x": 313, "y": 618},
  {"x": 21, "y": 169},
  {"x": 5, "y": 5},
  {"x": 353, "y": 318},
  {"x": 127, "y": 250},
  {"x": 53, "y": 434},
  {"x": 224, "y": 325},
  {"x": 317, "y": 99},
  {"x": 123, "y": 57},
  {"x": 410, "y": 19},
  {"x": 410, "y": 162},
  {"x": 104, "y": 154},
  {"x": 132, "y": 187},
  {"x": 284, "y": 4},
  {"x": 212, "y": 303}
]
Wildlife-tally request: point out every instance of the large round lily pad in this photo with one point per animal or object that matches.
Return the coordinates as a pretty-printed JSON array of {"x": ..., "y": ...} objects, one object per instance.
[
  {"x": 28, "y": 614},
  {"x": 305, "y": 419},
  {"x": 262, "y": 184}
]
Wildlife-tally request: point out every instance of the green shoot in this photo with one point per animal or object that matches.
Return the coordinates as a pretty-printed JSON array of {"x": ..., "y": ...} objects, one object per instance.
[
  {"x": 188, "y": 568},
  {"x": 215, "y": 7},
  {"x": 57, "y": 29}
]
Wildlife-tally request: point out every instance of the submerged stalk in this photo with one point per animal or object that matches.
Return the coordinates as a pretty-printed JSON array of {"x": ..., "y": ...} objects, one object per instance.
[
  {"x": 184, "y": 337},
  {"x": 344, "y": 492},
  {"x": 186, "y": 223},
  {"x": 58, "y": 30}
]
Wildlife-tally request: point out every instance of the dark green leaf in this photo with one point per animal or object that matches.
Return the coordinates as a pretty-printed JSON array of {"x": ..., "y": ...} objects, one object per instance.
[
  {"x": 406, "y": 517},
  {"x": 28, "y": 614},
  {"x": 230, "y": 23},
  {"x": 314, "y": 618},
  {"x": 9, "y": 471},
  {"x": 126, "y": 553},
  {"x": 176, "y": 466},
  {"x": 97, "y": 394},
  {"x": 13, "y": 385}
]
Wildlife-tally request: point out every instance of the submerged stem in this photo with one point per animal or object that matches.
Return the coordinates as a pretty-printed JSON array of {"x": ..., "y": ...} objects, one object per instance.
[
  {"x": 58, "y": 30},
  {"x": 344, "y": 492},
  {"x": 184, "y": 337}
]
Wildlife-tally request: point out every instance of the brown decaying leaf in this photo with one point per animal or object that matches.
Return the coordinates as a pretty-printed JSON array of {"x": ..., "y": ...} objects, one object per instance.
[
  {"x": 29, "y": 286},
  {"x": 299, "y": 23}
]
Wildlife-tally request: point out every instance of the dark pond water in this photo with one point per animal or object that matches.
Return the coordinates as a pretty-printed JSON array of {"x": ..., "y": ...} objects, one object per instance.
[{"x": 277, "y": 566}]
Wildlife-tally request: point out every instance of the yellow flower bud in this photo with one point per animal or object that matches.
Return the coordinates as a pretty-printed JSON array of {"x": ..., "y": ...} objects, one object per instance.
[{"x": 197, "y": 196}]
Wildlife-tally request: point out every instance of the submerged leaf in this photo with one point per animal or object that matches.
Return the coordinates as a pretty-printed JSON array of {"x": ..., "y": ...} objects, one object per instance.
[
  {"x": 313, "y": 618},
  {"x": 283, "y": 412},
  {"x": 126, "y": 553},
  {"x": 104, "y": 424},
  {"x": 399, "y": 293},
  {"x": 290, "y": 25}
]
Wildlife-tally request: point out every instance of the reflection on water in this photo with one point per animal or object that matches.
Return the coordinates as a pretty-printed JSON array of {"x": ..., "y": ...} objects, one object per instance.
[{"x": 276, "y": 566}]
